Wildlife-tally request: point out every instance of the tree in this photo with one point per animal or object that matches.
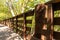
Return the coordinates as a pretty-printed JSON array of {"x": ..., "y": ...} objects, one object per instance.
[
  {"x": 4, "y": 11},
  {"x": 9, "y": 3},
  {"x": 15, "y": 7}
]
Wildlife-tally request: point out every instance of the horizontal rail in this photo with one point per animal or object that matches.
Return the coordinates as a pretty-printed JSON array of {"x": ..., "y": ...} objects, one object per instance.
[
  {"x": 29, "y": 21},
  {"x": 57, "y": 21},
  {"x": 56, "y": 35}
]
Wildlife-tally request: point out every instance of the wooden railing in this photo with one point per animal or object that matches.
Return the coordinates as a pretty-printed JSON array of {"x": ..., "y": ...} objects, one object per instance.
[
  {"x": 19, "y": 23},
  {"x": 43, "y": 23}
]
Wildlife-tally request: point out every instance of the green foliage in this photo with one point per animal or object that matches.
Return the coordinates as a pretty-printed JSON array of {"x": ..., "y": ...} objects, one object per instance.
[
  {"x": 57, "y": 28},
  {"x": 4, "y": 10},
  {"x": 57, "y": 14},
  {"x": 24, "y": 5},
  {"x": 4, "y": 16}
]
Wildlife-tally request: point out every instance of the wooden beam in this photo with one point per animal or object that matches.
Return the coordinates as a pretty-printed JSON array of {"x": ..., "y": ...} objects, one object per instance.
[
  {"x": 28, "y": 21},
  {"x": 56, "y": 35},
  {"x": 57, "y": 21},
  {"x": 50, "y": 22},
  {"x": 56, "y": 6},
  {"x": 55, "y": 1},
  {"x": 29, "y": 13},
  {"x": 40, "y": 19},
  {"x": 24, "y": 28}
]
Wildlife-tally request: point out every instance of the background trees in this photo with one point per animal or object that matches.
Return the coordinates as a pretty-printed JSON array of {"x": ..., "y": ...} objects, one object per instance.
[{"x": 15, "y": 7}]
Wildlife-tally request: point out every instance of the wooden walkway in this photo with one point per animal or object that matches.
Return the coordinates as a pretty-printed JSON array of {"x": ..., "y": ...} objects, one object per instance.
[{"x": 7, "y": 34}]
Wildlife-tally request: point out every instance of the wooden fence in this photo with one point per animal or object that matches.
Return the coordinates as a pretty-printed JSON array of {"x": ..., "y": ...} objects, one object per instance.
[
  {"x": 43, "y": 23},
  {"x": 19, "y": 23}
]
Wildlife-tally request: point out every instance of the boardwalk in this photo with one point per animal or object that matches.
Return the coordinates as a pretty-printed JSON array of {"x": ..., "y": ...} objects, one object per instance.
[{"x": 7, "y": 34}]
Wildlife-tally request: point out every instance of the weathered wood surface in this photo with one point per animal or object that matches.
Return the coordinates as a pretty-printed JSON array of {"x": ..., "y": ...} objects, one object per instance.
[
  {"x": 56, "y": 35},
  {"x": 57, "y": 21},
  {"x": 56, "y": 6},
  {"x": 55, "y": 1}
]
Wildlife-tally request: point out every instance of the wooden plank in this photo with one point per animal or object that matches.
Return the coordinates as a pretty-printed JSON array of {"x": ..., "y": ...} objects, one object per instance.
[
  {"x": 19, "y": 16},
  {"x": 28, "y": 21},
  {"x": 56, "y": 35},
  {"x": 24, "y": 28},
  {"x": 44, "y": 32},
  {"x": 40, "y": 25},
  {"x": 28, "y": 28},
  {"x": 16, "y": 24},
  {"x": 20, "y": 29},
  {"x": 56, "y": 1},
  {"x": 50, "y": 23},
  {"x": 56, "y": 6},
  {"x": 39, "y": 20},
  {"x": 57, "y": 21},
  {"x": 20, "y": 21},
  {"x": 52, "y": 1},
  {"x": 29, "y": 13},
  {"x": 20, "y": 26}
]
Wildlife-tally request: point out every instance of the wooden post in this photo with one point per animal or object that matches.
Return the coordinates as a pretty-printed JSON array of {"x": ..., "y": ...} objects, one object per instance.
[
  {"x": 16, "y": 24},
  {"x": 50, "y": 22},
  {"x": 5, "y": 22},
  {"x": 24, "y": 30},
  {"x": 12, "y": 20},
  {"x": 9, "y": 22},
  {"x": 39, "y": 21},
  {"x": 43, "y": 22}
]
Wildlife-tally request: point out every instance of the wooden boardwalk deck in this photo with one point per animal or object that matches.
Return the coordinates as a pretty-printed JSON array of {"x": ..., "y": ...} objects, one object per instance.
[{"x": 7, "y": 34}]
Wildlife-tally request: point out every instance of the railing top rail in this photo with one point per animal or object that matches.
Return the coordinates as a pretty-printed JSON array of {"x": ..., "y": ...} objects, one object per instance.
[{"x": 28, "y": 13}]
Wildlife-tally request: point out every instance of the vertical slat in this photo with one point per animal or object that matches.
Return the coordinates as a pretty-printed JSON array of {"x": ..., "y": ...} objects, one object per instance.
[
  {"x": 10, "y": 23},
  {"x": 50, "y": 22},
  {"x": 16, "y": 24},
  {"x": 37, "y": 33},
  {"x": 43, "y": 23},
  {"x": 13, "y": 23},
  {"x": 44, "y": 27},
  {"x": 12, "y": 20},
  {"x": 39, "y": 21},
  {"x": 5, "y": 22},
  {"x": 24, "y": 16}
]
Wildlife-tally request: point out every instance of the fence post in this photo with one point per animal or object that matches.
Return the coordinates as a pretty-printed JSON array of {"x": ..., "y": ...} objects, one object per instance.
[
  {"x": 39, "y": 20},
  {"x": 50, "y": 22},
  {"x": 24, "y": 28},
  {"x": 10, "y": 23},
  {"x": 12, "y": 20},
  {"x": 43, "y": 22},
  {"x": 16, "y": 24}
]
